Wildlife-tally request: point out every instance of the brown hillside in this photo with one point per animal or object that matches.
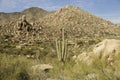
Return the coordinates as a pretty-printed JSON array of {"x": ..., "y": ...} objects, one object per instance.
[
  {"x": 32, "y": 14},
  {"x": 77, "y": 23}
]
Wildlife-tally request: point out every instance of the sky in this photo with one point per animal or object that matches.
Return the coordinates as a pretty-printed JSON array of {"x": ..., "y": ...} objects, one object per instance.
[{"x": 107, "y": 9}]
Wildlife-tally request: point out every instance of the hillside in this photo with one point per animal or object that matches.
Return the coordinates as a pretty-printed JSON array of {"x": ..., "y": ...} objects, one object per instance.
[
  {"x": 77, "y": 23},
  {"x": 32, "y": 14},
  {"x": 68, "y": 44}
]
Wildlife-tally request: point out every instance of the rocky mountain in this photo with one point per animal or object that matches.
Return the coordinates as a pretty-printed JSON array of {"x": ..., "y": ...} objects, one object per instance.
[
  {"x": 32, "y": 14},
  {"x": 79, "y": 23},
  {"x": 76, "y": 22}
]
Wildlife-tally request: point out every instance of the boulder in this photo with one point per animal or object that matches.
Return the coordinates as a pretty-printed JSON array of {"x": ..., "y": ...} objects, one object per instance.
[
  {"x": 19, "y": 47},
  {"x": 106, "y": 48},
  {"x": 41, "y": 68},
  {"x": 84, "y": 58}
]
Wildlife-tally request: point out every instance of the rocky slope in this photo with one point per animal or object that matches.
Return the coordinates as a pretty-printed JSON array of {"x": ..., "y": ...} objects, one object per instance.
[
  {"x": 77, "y": 23},
  {"x": 32, "y": 14}
]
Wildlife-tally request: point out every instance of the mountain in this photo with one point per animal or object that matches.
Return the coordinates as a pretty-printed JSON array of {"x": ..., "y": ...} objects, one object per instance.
[
  {"x": 76, "y": 22},
  {"x": 32, "y": 14}
]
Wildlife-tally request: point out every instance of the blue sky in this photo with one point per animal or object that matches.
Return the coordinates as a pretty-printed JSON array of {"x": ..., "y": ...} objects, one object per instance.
[{"x": 107, "y": 9}]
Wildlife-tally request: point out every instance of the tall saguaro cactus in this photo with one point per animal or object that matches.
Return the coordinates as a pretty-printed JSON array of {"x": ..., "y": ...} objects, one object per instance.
[{"x": 61, "y": 47}]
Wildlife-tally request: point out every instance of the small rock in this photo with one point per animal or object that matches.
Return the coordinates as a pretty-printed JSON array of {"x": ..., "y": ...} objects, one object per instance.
[
  {"x": 41, "y": 67},
  {"x": 18, "y": 46}
]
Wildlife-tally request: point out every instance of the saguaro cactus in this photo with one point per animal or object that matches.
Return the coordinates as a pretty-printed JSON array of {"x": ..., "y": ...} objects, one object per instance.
[{"x": 61, "y": 47}]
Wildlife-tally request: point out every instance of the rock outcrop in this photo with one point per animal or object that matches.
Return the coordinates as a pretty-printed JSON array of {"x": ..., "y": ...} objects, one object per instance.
[
  {"x": 21, "y": 30},
  {"x": 107, "y": 50},
  {"x": 107, "y": 47}
]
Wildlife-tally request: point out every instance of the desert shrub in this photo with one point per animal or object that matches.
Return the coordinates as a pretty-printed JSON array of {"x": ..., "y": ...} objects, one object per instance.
[
  {"x": 26, "y": 51},
  {"x": 17, "y": 67},
  {"x": 23, "y": 75},
  {"x": 14, "y": 68},
  {"x": 96, "y": 71}
]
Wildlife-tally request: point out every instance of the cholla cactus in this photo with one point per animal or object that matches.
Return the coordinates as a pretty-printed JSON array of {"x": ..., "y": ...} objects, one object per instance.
[{"x": 61, "y": 48}]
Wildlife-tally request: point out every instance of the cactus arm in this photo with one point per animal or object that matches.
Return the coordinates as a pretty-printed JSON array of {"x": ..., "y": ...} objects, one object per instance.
[
  {"x": 57, "y": 49},
  {"x": 63, "y": 43},
  {"x": 65, "y": 53}
]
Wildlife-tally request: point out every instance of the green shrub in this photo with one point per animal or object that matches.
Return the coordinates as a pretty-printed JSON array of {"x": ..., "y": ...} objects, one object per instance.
[
  {"x": 23, "y": 75},
  {"x": 14, "y": 68}
]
